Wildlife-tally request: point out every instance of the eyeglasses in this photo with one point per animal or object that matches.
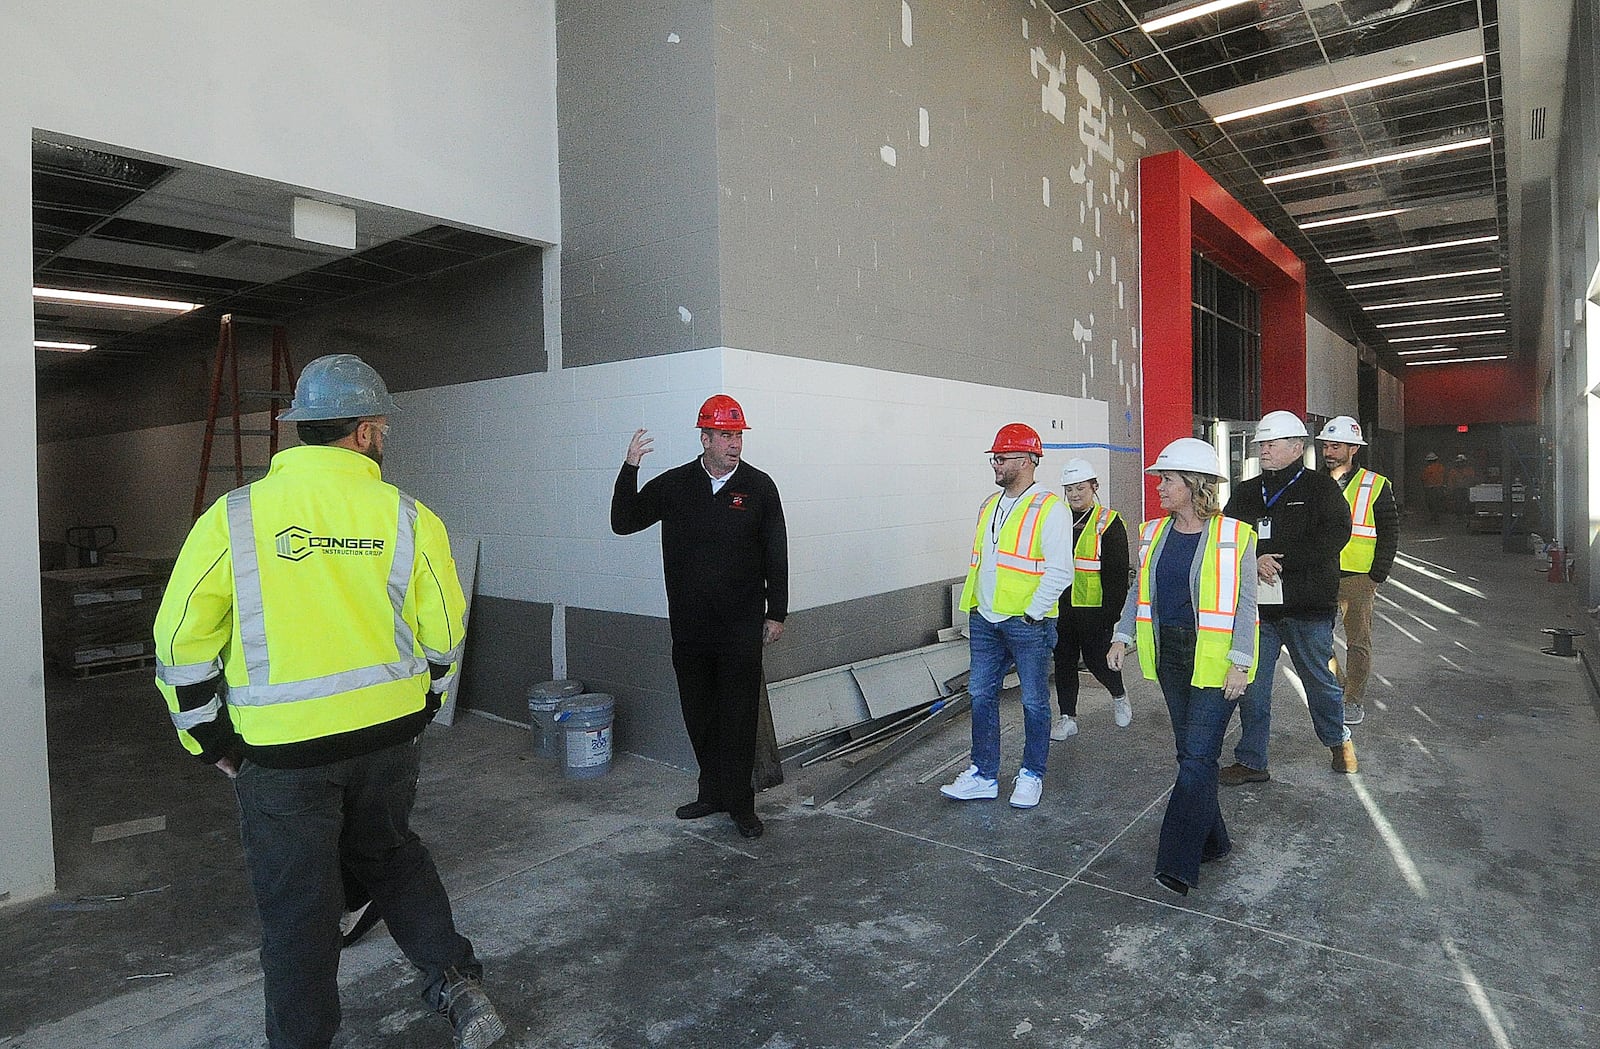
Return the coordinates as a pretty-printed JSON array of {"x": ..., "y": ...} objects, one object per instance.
[
  {"x": 382, "y": 428},
  {"x": 998, "y": 459}
]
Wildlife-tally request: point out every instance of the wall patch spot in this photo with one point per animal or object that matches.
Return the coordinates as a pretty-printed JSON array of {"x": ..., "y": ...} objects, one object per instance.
[
  {"x": 887, "y": 154},
  {"x": 672, "y": 38},
  {"x": 684, "y": 315},
  {"x": 922, "y": 127},
  {"x": 1047, "y": 191},
  {"x": 905, "y": 22}
]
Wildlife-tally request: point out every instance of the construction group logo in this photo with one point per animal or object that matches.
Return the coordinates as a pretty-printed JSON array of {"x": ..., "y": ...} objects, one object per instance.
[{"x": 296, "y": 544}]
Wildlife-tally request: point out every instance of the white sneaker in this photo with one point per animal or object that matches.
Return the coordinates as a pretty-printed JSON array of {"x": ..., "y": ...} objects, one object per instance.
[
  {"x": 1065, "y": 727},
  {"x": 970, "y": 786},
  {"x": 1027, "y": 791},
  {"x": 1122, "y": 710}
]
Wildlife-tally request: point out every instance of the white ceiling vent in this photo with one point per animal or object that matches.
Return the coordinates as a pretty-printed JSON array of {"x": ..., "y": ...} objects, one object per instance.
[{"x": 1536, "y": 124}]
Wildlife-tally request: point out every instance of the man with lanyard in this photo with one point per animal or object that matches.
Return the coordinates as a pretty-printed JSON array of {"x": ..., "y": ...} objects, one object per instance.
[
  {"x": 1367, "y": 558},
  {"x": 1302, "y": 526},
  {"x": 1021, "y": 563},
  {"x": 309, "y": 632},
  {"x": 1099, "y": 585}
]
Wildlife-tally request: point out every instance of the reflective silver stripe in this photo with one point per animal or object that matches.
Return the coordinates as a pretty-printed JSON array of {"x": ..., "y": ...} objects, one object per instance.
[
  {"x": 247, "y": 586},
  {"x": 187, "y": 673},
  {"x": 405, "y": 554},
  {"x": 331, "y": 685},
  {"x": 435, "y": 656},
  {"x": 188, "y": 719}
]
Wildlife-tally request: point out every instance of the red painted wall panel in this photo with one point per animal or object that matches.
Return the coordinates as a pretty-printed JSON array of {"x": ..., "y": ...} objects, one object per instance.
[{"x": 1481, "y": 392}]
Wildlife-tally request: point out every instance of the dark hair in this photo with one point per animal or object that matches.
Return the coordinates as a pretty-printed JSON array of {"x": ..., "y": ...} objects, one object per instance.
[{"x": 326, "y": 431}]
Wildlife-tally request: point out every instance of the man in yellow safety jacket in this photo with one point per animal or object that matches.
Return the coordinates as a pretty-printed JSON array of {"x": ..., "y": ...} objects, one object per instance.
[
  {"x": 308, "y": 634},
  {"x": 1365, "y": 562},
  {"x": 1021, "y": 563}
]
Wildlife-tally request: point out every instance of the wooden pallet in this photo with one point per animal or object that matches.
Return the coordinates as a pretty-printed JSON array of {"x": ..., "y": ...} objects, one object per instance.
[{"x": 104, "y": 667}]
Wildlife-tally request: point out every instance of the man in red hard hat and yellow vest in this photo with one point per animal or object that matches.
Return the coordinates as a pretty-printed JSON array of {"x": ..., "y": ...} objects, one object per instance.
[
  {"x": 1021, "y": 562},
  {"x": 725, "y": 555}
]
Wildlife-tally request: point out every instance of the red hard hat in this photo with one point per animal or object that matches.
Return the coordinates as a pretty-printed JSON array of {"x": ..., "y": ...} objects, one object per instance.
[
  {"x": 1017, "y": 437},
  {"x": 721, "y": 412}
]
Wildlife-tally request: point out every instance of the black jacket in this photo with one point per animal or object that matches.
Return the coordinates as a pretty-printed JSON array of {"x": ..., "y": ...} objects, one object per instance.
[
  {"x": 725, "y": 556},
  {"x": 1386, "y": 515},
  {"x": 1310, "y": 527}
]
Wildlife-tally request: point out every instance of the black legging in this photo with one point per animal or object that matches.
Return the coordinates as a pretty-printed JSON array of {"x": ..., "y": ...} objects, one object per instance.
[{"x": 1085, "y": 632}]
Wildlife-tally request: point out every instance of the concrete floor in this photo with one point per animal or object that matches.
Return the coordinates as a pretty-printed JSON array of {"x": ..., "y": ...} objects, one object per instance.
[{"x": 1444, "y": 896}]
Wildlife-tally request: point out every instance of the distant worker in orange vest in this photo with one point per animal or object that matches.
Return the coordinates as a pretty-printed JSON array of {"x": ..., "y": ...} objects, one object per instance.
[{"x": 1433, "y": 490}]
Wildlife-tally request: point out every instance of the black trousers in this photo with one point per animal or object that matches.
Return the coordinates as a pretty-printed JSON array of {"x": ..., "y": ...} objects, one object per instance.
[
  {"x": 719, "y": 687},
  {"x": 298, "y": 827},
  {"x": 1083, "y": 632}
]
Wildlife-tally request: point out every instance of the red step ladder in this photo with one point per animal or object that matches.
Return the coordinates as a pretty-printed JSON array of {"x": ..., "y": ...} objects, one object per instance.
[{"x": 275, "y": 396}]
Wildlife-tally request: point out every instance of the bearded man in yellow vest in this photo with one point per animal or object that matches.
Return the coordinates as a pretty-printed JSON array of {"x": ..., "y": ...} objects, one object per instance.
[
  {"x": 1367, "y": 558},
  {"x": 309, "y": 632},
  {"x": 1021, "y": 562}
]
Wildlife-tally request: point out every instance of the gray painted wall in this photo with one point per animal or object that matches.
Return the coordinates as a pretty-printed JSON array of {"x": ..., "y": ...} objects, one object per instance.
[
  {"x": 637, "y": 125},
  {"x": 508, "y": 651},
  {"x": 630, "y": 657}
]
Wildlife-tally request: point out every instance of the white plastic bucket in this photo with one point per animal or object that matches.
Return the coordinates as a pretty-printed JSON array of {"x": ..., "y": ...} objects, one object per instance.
[
  {"x": 544, "y": 699},
  {"x": 586, "y": 722}
]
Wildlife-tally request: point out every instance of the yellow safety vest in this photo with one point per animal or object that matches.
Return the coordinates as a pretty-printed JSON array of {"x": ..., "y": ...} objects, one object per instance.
[
  {"x": 1220, "y": 571},
  {"x": 1361, "y": 492},
  {"x": 1086, "y": 589},
  {"x": 1019, "y": 555},
  {"x": 320, "y": 592}
]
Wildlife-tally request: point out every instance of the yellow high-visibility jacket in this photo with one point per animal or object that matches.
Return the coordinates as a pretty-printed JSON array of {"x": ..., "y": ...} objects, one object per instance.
[{"x": 321, "y": 595}]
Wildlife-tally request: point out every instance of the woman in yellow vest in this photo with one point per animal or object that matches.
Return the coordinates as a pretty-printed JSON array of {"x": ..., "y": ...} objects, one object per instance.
[
  {"x": 1192, "y": 618},
  {"x": 1099, "y": 585}
]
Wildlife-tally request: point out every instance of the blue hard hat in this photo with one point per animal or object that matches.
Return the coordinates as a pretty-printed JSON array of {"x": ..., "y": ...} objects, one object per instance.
[{"x": 339, "y": 386}]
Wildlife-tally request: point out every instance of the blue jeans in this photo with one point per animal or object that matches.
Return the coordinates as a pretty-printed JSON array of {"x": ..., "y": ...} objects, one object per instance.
[
  {"x": 300, "y": 827},
  {"x": 1192, "y": 830},
  {"x": 1310, "y": 644},
  {"x": 995, "y": 647}
]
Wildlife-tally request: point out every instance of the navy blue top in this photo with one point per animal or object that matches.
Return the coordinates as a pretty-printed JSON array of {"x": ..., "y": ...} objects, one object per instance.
[{"x": 1173, "y": 604}]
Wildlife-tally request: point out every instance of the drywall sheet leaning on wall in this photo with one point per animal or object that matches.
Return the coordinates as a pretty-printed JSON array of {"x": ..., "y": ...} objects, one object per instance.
[
  {"x": 464, "y": 550},
  {"x": 1330, "y": 372}
]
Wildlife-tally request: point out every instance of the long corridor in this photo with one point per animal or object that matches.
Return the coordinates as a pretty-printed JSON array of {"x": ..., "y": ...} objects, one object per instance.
[{"x": 1442, "y": 896}]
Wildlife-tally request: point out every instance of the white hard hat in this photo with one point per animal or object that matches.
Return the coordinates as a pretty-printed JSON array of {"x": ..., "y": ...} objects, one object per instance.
[
  {"x": 1343, "y": 429},
  {"x": 1078, "y": 470},
  {"x": 1188, "y": 454},
  {"x": 1274, "y": 425}
]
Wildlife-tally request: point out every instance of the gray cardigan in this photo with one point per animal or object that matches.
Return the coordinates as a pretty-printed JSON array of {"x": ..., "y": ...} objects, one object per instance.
[{"x": 1242, "y": 652}]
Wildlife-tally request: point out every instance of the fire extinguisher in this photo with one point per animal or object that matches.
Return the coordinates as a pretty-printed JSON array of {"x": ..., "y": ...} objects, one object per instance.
[{"x": 1558, "y": 565}]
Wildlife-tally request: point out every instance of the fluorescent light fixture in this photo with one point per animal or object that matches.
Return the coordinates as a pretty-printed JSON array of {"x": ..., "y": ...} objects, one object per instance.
[
  {"x": 1417, "y": 247},
  {"x": 1418, "y": 280},
  {"x": 1353, "y": 218},
  {"x": 1387, "y": 158},
  {"x": 1364, "y": 85},
  {"x": 95, "y": 298},
  {"x": 1431, "y": 349},
  {"x": 1458, "y": 360},
  {"x": 1444, "y": 320},
  {"x": 1155, "y": 25},
  {"x": 62, "y": 347},
  {"x": 1434, "y": 302},
  {"x": 1451, "y": 335}
]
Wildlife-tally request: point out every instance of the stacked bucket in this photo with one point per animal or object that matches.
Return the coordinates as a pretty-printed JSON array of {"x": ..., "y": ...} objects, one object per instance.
[{"x": 572, "y": 725}]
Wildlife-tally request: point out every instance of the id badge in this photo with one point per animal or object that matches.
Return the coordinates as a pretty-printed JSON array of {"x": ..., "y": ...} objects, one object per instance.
[{"x": 1264, "y": 528}]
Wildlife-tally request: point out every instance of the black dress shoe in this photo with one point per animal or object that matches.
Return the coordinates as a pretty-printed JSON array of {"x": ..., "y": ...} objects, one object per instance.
[
  {"x": 1172, "y": 884},
  {"x": 697, "y": 810},
  {"x": 749, "y": 825}
]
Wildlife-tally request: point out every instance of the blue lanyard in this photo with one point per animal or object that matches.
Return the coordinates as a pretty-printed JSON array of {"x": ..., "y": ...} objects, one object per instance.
[{"x": 1271, "y": 502}]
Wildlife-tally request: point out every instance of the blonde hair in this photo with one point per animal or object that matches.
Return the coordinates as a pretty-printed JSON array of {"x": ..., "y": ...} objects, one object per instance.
[{"x": 1202, "y": 492}]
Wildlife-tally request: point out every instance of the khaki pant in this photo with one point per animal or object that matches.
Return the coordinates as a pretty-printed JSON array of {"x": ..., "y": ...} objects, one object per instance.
[{"x": 1356, "y": 594}]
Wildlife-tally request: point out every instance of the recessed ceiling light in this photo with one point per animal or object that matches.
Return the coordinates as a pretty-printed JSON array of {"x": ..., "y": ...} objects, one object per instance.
[
  {"x": 1418, "y": 280},
  {"x": 62, "y": 347},
  {"x": 1431, "y": 349},
  {"x": 1451, "y": 335},
  {"x": 1458, "y": 360},
  {"x": 1353, "y": 218},
  {"x": 1364, "y": 85},
  {"x": 1443, "y": 320},
  {"x": 1405, "y": 251},
  {"x": 1433, "y": 302},
  {"x": 96, "y": 298},
  {"x": 1155, "y": 25},
  {"x": 1387, "y": 158}
]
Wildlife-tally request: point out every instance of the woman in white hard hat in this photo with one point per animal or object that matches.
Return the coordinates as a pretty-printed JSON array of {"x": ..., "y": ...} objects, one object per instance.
[
  {"x": 1089, "y": 611},
  {"x": 1193, "y": 620}
]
